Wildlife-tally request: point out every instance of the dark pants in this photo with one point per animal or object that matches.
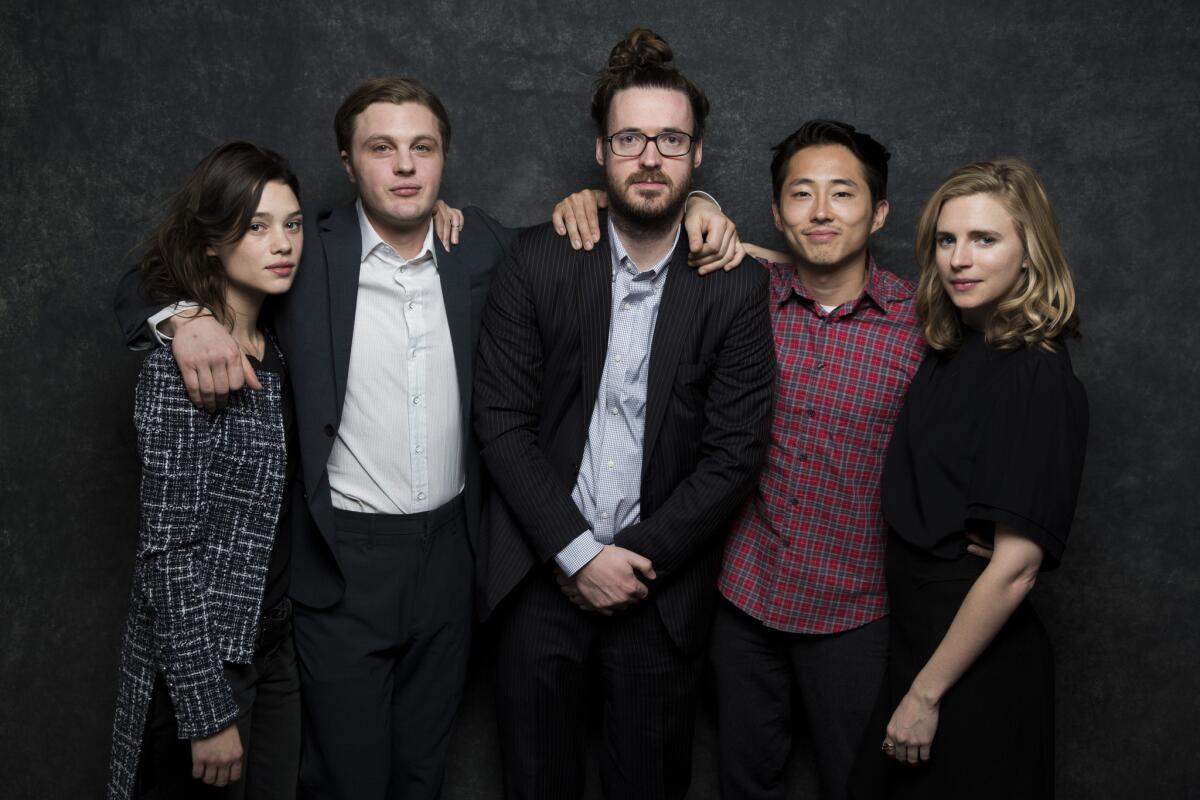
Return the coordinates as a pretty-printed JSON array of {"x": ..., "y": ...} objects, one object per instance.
[
  {"x": 838, "y": 676},
  {"x": 267, "y": 692},
  {"x": 556, "y": 664},
  {"x": 383, "y": 670}
]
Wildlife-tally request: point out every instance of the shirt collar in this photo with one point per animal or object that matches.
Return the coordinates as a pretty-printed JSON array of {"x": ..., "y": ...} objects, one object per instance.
[
  {"x": 882, "y": 288},
  {"x": 621, "y": 259},
  {"x": 371, "y": 239}
]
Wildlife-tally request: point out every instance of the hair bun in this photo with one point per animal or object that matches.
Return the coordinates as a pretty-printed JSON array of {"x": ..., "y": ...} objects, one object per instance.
[{"x": 641, "y": 48}]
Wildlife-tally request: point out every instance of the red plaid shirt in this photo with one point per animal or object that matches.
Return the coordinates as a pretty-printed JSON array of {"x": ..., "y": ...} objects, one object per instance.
[{"x": 806, "y": 552}]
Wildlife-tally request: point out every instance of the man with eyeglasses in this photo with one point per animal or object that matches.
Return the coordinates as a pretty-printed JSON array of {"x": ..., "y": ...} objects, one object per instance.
[{"x": 622, "y": 404}]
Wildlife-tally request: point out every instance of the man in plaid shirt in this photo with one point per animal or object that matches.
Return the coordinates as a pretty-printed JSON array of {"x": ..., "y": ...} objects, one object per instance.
[{"x": 803, "y": 572}]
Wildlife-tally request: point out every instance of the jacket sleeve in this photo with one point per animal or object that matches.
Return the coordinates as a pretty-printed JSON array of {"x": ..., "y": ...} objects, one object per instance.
[
  {"x": 175, "y": 444},
  {"x": 507, "y": 402},
  {"x": 732, "y": 447},
  {"x": 133, "y": 310}
]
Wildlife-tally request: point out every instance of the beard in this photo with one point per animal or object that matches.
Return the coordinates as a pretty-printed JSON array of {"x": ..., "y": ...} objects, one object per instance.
[{"x": 655, "y": 212}]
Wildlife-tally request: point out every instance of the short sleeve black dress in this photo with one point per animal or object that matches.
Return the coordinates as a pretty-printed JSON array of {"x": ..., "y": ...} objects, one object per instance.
[{"x": 986, "y": 437}]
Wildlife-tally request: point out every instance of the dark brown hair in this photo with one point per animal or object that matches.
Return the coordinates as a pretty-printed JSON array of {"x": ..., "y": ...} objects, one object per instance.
[
  {"x": 387, "y": 90},
  {"x": 214, "y": 209},
  {"x": 1041, "y": 306},
  {"x": 643, "y": 60}
]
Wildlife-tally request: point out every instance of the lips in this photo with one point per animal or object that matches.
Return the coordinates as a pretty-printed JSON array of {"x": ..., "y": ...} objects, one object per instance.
[
  {"x": 821, "y": 235},
  {"x": 282, "y": 269},
  {"x": 648, "y": 180},
  {"x": 405, "y": 191},
  {"x": 964, "y": 285}
]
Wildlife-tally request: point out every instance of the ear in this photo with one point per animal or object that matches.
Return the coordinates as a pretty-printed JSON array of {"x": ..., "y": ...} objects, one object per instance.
[
  {"x": 348, "y": 165},
  {"x": 697, "y": 154},
  {"x": 881, "y": 211},
  {"x": 775, "y": 214},
  {"x": 600, "y": 147},
  {"x": 210, "y": 252}
]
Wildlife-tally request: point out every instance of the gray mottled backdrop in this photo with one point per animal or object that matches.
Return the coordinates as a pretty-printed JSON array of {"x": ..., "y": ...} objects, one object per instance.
[{"x": 107, "y": 105}]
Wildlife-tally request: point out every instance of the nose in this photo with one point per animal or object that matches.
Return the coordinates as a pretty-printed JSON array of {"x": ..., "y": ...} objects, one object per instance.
[
  {"x": 822, "y": 211},
  {"x": 650, "y": 157},
  {"x": 281, "y": 242},
  {"x": 403, "y": 163},
  {"x": 960, "y": 256}
]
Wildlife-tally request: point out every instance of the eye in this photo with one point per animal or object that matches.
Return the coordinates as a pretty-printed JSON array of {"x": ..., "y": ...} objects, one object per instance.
[
  {"x": 627, "y": 138},
  {"x": 986, "y": 241},
  {"x": 256, "y": 227},
  {"x": 945, "y": 240},
  {"x": 800, "y": 193},
  {"x": 422, "y": 148},
  {"x": 842, "y": 194},
  {"x": 295, "y": 225},
  {"x": 672, "y": 139},
  {"x": 380, "y": 147}
]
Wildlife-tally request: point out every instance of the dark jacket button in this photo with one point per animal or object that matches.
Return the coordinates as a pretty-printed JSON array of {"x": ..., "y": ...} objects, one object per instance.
[{"x": 329, "y": 431}]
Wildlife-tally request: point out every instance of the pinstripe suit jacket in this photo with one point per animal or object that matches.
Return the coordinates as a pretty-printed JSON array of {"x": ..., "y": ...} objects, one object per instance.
[
  {"x": 541, "y": 354},
  {"x": 211, "y": 490}
]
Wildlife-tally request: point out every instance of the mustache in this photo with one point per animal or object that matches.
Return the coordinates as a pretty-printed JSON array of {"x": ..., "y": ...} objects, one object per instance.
[{"x": 648, "y": 175}]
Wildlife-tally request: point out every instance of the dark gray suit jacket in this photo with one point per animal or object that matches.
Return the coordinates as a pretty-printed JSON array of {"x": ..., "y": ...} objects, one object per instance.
[
  {"x": 541, "y": 355},
  {"x": 314, "y": 324}
]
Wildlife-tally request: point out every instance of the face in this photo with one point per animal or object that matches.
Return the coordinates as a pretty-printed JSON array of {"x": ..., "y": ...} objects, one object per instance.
[
  {"x": 264, "y": 260},
  {"x": 396, "y": 157},
  {"x": 649, "y": 188},
  {"x": 824, "y": 208},
  {"x": 979, "y": 254}
]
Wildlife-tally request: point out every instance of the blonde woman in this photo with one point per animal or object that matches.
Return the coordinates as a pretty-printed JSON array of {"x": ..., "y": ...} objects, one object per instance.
[{"x": 989, "y": 446}]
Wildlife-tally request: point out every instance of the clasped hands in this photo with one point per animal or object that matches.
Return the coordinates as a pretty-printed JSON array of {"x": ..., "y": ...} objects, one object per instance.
[{"x": 611, "y": 581}]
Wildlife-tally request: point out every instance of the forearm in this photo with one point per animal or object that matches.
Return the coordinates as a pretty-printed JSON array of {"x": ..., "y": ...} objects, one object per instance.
[{"x": 989, "y": 604}]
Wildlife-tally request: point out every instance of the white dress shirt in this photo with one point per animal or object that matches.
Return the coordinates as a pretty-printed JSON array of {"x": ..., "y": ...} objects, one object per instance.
[{"x": 399, "y": 445}]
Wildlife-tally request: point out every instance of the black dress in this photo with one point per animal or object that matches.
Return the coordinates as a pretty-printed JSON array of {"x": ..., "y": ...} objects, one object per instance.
[{"x": 985, "y": 437}]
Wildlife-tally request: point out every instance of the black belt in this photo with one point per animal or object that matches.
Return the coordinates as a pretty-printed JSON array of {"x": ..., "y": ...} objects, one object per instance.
[{"x": 421, "y": 522}]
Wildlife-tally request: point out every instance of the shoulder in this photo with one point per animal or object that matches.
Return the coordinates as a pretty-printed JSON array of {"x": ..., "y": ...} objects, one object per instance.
[
  {"x": 1042, "y": 373},
  {"x": 750, "y": 278},
  {"x": 160, "y": 390}
]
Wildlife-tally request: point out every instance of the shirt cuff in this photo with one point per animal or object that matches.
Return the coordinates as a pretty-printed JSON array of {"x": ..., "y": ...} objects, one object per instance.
[
  {"x": 575, "y": 556},
  {"x": 707, "y": 196},
  {"x": 165, "y": 314}
]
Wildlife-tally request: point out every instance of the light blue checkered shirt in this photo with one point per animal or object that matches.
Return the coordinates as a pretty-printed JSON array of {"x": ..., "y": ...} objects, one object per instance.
[{"x": 608, "y": 491}]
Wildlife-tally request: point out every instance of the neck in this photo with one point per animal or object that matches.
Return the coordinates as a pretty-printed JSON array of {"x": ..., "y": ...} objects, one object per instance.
[
  {"x": 835, "y": 284},
  {"x": 407, "y": 241},
  {"x": 647, "y": 243},
  {"x": 243, "y": 310}
]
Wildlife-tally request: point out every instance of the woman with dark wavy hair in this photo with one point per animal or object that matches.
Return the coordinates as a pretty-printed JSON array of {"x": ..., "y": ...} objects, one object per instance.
[
  {"x": 208, "y": 704},
  {"x": 986, "y": 454}
]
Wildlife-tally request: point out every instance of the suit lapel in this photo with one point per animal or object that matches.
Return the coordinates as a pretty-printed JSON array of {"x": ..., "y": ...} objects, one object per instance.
[
  {"x": 594, "y": 294},
  {"x": 674, "y": 317},
  {"x": 342, "y": 241},
  {"x": 456, "y": 294}
]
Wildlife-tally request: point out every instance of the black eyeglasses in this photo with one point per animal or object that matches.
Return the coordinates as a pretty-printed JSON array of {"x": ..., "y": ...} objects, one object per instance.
[{"x": 670, "y": 144}]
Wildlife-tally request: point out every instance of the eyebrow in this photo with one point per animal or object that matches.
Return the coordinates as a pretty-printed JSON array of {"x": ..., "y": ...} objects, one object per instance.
[
  {"x": 994, "y": 234},
  {"x": 267, "y": 215},
  {"x": 835, "y": 181}
]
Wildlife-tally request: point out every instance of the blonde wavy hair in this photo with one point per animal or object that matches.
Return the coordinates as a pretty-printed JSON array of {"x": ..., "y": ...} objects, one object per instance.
[{"x": 1041, "y": 306}]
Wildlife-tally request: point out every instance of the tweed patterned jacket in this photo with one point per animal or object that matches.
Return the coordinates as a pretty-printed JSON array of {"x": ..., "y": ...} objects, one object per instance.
[{"x": 211, "y": 490}]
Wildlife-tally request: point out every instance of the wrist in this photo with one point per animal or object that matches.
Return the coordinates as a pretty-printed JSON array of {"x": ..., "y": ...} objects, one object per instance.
[{"x": 925, "y": 693}]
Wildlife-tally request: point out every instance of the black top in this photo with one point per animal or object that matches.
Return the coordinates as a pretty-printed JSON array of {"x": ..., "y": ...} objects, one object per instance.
[
  {"x": 281, "y": 552},
  {"x": 987, "y": 436}
]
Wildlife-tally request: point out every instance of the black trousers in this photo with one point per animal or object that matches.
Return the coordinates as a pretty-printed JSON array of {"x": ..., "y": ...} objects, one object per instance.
[
  {"x": 267, "y": 692},
  {"x": 557, "y": 666},
  {"x": 382, "y": 671},
  {"x": 838, "y": 677}
]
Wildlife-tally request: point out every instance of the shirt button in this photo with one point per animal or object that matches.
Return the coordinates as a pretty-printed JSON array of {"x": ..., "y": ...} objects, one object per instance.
[
  {"x": 420, "y": 495},
  {"x": 613, "y": 411},
  {"x": 417, "y": 400},
  {"x": 611, "y": 463},
  {"x": 603, "y": 515},
  {"x": 413, "y": 355},
  {"x": 411, "y": 306},
  {"x": 820, "y": 366},
  {"x": 624, "y": 306},
  {"x": 812, "y": 412},
  {"x": 795, "y": 502},
  {"x": 617, "y": 359},
  {"x": 419, "y": 449}
]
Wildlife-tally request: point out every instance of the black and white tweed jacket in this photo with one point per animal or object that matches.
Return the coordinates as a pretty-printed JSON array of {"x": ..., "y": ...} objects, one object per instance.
[{"x": 210, "y": 495}]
